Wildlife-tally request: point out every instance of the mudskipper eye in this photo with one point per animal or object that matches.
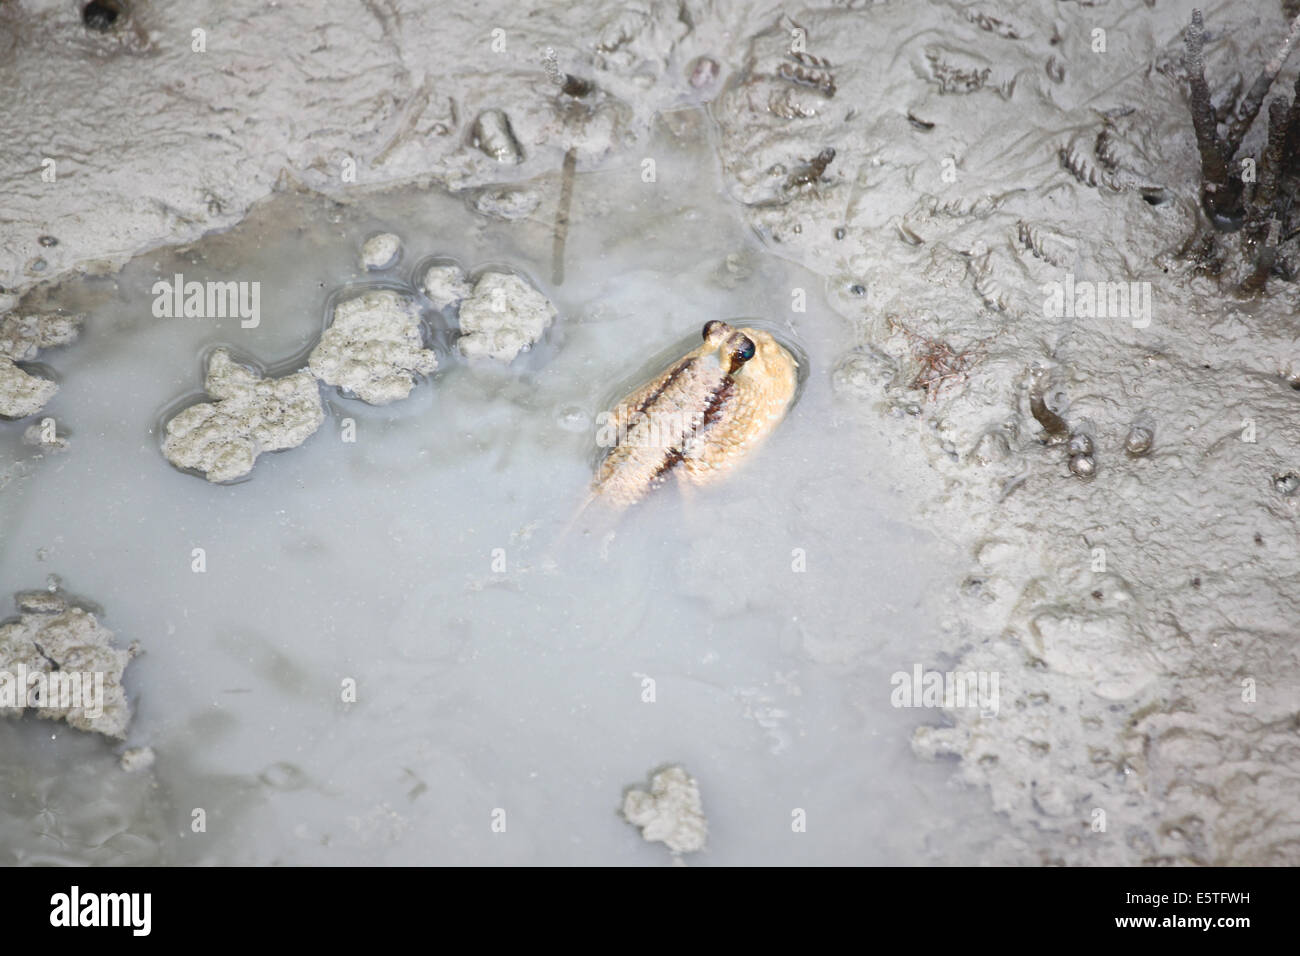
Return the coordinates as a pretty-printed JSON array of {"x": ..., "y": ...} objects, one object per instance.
[
  {"x": 742, "y": 348},
  {"x": 712, "y": 327}
]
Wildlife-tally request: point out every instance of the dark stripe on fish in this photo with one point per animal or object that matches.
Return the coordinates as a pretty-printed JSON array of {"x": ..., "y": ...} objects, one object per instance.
[
  {"x": 671, "y": 461},
  {"x": 713, "y": 408},
  {"x": 712, "y": 412},
  {"x": 638, "y": 415},
  {"x": 671, "y": 377}
]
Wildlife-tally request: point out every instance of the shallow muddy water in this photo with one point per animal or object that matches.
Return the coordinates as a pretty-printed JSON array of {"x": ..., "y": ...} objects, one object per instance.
[{"x": 507, "y": 655}]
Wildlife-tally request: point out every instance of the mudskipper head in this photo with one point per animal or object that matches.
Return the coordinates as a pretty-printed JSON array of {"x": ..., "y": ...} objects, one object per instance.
[{"x": 750, "y": 352}]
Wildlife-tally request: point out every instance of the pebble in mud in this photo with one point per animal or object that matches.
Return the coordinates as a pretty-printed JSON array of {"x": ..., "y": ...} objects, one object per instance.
[
  {"x": 502, "y": 317},
  {"x": 373, "y": 348},
  {"x": 445, "y": 285},
  {"x": 381, "y": 252},
  {"x": 670, "y": 813},
  {"x": 223, "y": 439},
  {"x": 1139, "y": 440},
  {"x": 493, "y": 135},
  {"x": 1085, "y": 466},
  {"x": 51, "y": 636}
]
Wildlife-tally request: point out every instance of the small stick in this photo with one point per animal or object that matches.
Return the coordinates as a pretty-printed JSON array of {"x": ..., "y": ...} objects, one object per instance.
[
  {"x": 1054, "y": 426},
  {"x": 562, "y": 216}
]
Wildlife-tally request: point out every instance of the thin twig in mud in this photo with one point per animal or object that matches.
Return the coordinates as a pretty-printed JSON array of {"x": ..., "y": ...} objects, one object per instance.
[
  {"x": 562, "y": 217},
  {"x": 940, "y": 365},
  {"x": 1055, "y": 427}
]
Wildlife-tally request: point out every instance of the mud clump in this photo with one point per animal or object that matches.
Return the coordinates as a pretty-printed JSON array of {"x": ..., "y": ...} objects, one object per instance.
[
  {"x": 58, "y": 661},
  {"x": 22, "y": 394},
  {"x": 251, "y": 415},
  {"x": 670, "y": 812},
  {"x": 502, "y": 317},
  {"x": 21, "y": 339},
  {"x": 445, "y": 285},
  {"x": 373, "y": 348},
  {"x": 381, "y": 252}
]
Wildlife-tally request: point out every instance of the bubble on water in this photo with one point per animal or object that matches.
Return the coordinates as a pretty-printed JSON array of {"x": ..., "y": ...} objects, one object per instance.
[{"x": 572, "y": 418}]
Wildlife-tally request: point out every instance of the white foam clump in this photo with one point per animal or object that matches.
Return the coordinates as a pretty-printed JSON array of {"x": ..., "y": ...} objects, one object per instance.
[
  {"x": 136, "y": 759},
  {"x": 373, "y": 348},
  {"x": 446, "y": 285},
  {"x": 670, "y": 813},
  {"x": 52, "y": 637},
  {"x": 252, "y": 415},
  {"x": 502, "y": 317},
  {"x": 381, "y": 251}
]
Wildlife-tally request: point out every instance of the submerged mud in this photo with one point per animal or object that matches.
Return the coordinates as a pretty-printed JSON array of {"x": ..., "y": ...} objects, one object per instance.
[{"x": 383, "y": 636}]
